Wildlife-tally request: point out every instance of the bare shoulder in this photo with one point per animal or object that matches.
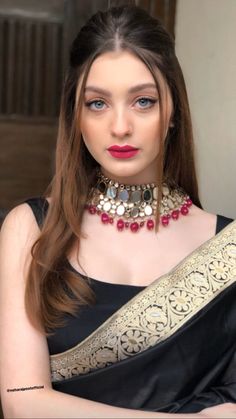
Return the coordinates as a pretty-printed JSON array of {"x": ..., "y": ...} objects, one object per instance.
[
  {"x": 21, "y": 220},
  {"x": 203, "y": 216},
  {"x": 21, "y": 212},
  {"x": 201, "y": 224},
  {"x": 20, "y": 225}
]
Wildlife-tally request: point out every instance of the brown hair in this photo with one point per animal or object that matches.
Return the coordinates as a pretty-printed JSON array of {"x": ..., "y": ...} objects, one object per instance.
[{"x": 52, "y": 288}]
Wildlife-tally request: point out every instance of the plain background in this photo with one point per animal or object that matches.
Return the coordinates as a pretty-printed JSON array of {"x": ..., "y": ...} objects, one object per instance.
[{"x": 205, "y": 45}]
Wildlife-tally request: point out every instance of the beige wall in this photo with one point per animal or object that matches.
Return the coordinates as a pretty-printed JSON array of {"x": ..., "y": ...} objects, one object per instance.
[{"x": 206, "y": 48}]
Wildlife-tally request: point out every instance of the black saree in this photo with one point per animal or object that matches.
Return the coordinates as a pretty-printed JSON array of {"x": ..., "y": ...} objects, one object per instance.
[{"x": 171, "y": 348}]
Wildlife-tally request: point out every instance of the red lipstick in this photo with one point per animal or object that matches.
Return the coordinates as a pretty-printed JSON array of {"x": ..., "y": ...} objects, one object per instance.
[{"x": 124, "y": 152}]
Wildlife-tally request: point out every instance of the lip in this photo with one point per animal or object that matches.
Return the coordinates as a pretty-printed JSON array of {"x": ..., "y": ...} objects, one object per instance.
[
  {"x": 122, "y": 148},
  {"x": 123, "y": 154}
]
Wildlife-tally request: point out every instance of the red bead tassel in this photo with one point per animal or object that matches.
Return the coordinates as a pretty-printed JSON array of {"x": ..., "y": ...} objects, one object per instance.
[{"x": 134, "y": 226}]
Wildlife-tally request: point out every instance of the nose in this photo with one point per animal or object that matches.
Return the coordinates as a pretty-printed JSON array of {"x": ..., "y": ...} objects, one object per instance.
[{"x": 121, "y": 124}]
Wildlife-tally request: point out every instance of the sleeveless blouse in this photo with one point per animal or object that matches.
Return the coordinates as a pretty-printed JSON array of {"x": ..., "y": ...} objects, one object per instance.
[{"x": 110, "y": 297}]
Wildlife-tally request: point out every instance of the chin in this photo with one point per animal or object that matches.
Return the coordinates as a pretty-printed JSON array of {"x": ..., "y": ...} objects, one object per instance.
[
  {"x": 127, "y": 175},
  {"x": 120, "y": 171}
]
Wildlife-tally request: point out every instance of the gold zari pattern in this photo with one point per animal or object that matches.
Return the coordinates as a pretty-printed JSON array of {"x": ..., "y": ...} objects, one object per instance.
[{"x": 156, "y": 312}]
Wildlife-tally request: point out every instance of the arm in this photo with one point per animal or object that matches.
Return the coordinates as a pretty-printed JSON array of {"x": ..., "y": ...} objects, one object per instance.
[
  {"x": 225, "y": 410},
  {"x": 53, "y": 404},
  {"x": 24, "y": 357}
]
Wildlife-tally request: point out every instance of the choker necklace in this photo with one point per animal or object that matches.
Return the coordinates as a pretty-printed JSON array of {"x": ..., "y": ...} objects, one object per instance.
[{"x": 134, "y": 206}]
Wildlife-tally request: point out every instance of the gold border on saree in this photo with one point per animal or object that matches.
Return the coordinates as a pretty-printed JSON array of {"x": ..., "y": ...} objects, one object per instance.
[{"x": 156, "y": 312}]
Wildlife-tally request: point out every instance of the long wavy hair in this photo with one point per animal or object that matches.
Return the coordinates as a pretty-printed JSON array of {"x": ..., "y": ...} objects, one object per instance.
[{"x": 52, "y": 289}]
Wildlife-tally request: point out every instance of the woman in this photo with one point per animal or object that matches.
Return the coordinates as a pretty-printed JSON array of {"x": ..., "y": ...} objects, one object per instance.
[{"x": 154, "y": 334}]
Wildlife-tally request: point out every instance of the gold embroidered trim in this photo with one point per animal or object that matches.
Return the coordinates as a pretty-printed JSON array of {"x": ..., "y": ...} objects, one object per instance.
[{"x": 156, "y": 312}]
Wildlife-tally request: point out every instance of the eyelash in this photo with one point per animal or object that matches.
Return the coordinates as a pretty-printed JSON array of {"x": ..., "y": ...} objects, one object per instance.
[{"x": 89, "y": 103}]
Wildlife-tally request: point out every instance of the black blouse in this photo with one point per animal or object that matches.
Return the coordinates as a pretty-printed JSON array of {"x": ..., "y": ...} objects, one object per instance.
[{"x": 109, "y": 297}]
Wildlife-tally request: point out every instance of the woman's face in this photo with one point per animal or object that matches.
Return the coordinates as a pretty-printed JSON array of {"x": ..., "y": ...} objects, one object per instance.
[{"x": 121, "y": 109}]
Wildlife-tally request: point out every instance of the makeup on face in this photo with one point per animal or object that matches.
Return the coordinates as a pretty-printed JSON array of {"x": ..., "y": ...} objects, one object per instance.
[
  {"x": 124, "y": 152},
  {"x": 120, "y": 120},
  {"x": 140, "y": 97}
]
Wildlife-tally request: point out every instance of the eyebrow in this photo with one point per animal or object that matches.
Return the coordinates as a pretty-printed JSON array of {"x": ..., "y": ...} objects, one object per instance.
[{"x": 133, "y": 89}]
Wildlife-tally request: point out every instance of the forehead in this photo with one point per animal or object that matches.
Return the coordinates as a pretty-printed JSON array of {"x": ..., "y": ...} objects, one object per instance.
[{"x": 119, "y": 69}]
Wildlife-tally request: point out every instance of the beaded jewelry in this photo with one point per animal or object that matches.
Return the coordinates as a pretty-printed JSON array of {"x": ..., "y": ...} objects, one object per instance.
[{"x": 135, "y": 205}]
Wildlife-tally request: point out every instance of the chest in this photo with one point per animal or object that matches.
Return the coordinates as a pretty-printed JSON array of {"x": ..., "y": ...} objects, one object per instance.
[{"x": 131, "y": 258}]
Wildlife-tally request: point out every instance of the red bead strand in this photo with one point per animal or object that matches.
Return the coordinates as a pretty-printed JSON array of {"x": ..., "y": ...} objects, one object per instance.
[
  {"x": 184, "y": 210},
  {"x": 150, "y": 224},
  {"x": 120, "y": 225},
  {"x": 105, "y": 218},
  {"x": 175, "y": 214},
  {"x": 134, "y": 226},
  {"x": 164, "y": 220}
]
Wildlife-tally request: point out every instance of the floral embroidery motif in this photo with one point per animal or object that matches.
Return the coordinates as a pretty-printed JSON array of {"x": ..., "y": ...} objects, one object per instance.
[
  {"x": 180, "y": 300},
  {"x": 132, "y": 341},
  {"x": 156, "y": 312},
  {"x": 219, "y": 269}
]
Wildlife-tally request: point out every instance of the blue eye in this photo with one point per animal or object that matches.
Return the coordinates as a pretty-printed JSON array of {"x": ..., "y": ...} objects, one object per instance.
[
  {"x": 99, "y": 105},
  {"x": 146, "y": 102},
  {"x": 96, "y": 105}
]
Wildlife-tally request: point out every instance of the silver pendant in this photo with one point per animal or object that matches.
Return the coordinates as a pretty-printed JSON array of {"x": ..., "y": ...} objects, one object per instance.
[
  {"x": 111, "y": 192},
  {"x": 123, "y": 195},
  {"x": 135, "y": 196}
]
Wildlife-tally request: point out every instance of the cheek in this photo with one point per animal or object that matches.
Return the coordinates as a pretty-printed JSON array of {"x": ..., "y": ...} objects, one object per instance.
[
  {"x": 91, "y": 137},
  {"x": 88, "y": 134},
  {"x": 150, "y": 129},
  {"x": 151, "y": 136},
  {"x": 146, "y": 128},
  {"x": 91, "y": 130},
  {"x": 85, "y": 127}
]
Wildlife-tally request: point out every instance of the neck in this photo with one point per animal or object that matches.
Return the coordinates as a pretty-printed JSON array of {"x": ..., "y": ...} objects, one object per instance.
[{"x": 139, "y": 179}]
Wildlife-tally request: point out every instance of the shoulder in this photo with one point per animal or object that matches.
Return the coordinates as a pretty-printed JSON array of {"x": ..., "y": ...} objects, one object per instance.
[
  {"x": 202, "y": 218},
  {"x": 24, "y": 220},
  {"x": 202, "y": 214},
  {"x": 18, "y": 218},
  {"x": 19, "y": 229}
]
